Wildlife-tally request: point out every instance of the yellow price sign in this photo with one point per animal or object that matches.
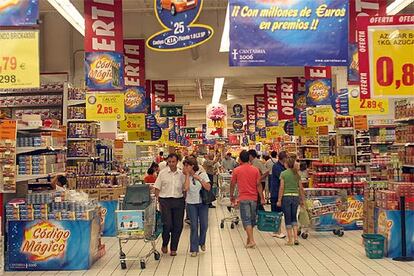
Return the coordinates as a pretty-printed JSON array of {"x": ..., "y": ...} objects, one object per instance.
[
  {"x": 105, "y": 106},
  {"x": 19, "y": 59},
  {"x": 320, "y": 116},
  {"x": 139, "y": 135},
  {"x": 392, "y": 61},
  {"x": 299, "y": 130},
  {"x": 133, "y": 122},
  {"x": 373, "y": 106},
  {"x": 274, "y": 132}
]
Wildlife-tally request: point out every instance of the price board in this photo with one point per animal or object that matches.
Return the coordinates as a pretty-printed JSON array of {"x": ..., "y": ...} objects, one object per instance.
[
  {"x": 133, "y": 122},
  {"x": 373, "y": 106},
  {"x": 105, "y": 106},
  {"x": 274, "y": 132},
  {"x": 320, "y": 116},
  {"x": 139, "y": 135},
  {"x": 386, "y": 56},
  {"x": 300, "y": 130},
  {"x": 19, "y": 59}
]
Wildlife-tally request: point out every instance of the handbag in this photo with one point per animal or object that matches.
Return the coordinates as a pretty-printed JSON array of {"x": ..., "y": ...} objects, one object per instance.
[{"x": 207, "y": 197}]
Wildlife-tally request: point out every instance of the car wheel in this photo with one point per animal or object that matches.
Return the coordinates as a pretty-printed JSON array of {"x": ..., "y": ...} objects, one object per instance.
[{"x": 173, "y": 11}]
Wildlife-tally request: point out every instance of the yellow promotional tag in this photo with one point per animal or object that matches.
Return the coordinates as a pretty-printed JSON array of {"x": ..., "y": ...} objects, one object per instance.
[
  {"x": 300, "y": 130},
  {"x": 19, "y": 59},
  {"x": 320, "y": 116},
  {"x": 133, "y": 122},
  {"x": 139, "y": 136},
  {"x": 274, "y": 132},
  {"x": 373, "y": 106},
  {"x": 105, "y": 106}
]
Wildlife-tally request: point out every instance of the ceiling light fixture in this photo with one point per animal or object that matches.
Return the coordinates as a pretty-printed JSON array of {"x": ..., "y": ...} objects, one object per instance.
[
  {"x": 225, "y": 37},
  {"x": 397, "y": 6},
  {"x": 218, "y": 89},
  {"x": 70, "y": 13}
]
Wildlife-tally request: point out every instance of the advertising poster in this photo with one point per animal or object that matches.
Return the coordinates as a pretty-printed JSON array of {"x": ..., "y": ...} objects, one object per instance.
[
  {"x": 318, "y": 92},
  {"x": 302, "y": 131},
  {"x": 105, "y": 107},
  {"x": 270, "y": 93},
  {"x": 180, "y": 30},
  {"x": 162, "y": 121},
  {"x": 136, "y": 100},
  {"x": 385, "y": 51},
  {"x": 19, "y": 59},
  {"x": 353, "y": 64},
  {"x": 260, "y": 109},
  {"x": 104, "y": 71},
  {"x": 322, "y": 115},
  {"x": 109, "y": 217},
  {"x": 282, "y": 27},
  {"x": 19, "y": 12},
  {"x": 237, "y": 126},
  {"x": 237, "y": 111},
  {"x": 134, "y": 60},
  {"x": 150, "y": 121},
  {"x": 156, "y": 133},
  {"x": 251, "y": 119},
  {"x": 340, "y": 101},
  {"x": 103, "y": 26},
  {"x": 216, "y": 115},
  {"x": 286, "y": 88},
  {"x": 130, "y": 221},
  {"x": 300, "y": 108},
  {"x": 51, "y": 245},
  {"x": 159, "y": 93}
]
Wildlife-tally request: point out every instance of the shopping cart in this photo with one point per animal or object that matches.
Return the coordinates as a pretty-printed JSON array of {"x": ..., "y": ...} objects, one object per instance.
[
  {"x": 320, "y": 202},
  {"x": 224, "y": 180},
  {"x": 136, "y": 225}
]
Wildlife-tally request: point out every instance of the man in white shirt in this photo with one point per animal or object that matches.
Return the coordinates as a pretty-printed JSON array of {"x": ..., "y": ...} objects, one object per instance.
[{"x": 169, "y": 189}]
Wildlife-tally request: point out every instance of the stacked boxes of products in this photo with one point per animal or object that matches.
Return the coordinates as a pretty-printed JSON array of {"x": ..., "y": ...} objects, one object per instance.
[
  {"x": 45, "y": 113},
  {"x": 82, "y": 130},
  {"x": 7, "y": 165},
  {"x": 34, "y": 100},
  {"x": 76, "y": 94},
  {"x": 76, "y": 112},
  {"x": 39, "y": 141},
  {"x": 81, "y": 149},
  {"x": 41, "y": 164},
  {"x": 404, "y": 109}
]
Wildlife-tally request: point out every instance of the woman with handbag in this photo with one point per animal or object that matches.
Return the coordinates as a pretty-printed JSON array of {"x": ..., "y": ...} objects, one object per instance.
[{"x": 199, "y": 196}]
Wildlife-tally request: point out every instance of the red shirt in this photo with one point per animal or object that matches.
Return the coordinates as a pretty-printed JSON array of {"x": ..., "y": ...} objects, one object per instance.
[
  {"x": 246, "y": 176},
  {"x": 150, "y": 179}
]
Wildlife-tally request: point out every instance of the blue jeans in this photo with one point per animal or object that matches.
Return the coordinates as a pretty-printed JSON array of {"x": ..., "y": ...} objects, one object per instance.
[
  {"x": 248, "y": 212},
  {"x": 290, "y": 206},
  {"x": 198, "y": 214}
]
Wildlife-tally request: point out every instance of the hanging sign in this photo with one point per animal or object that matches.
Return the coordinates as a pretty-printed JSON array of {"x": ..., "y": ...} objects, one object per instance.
[
  {"x": 270, "y": 93},
  {"x": 180, "y": 31},
  {"x": 189, "y": 130},
  {"x": 139, "y": 135},
  {"x": 302, "y": 131},
  {"x": 285, "y": 98},
  {"x": 238, "y": 126},
  {"x": 318, "y": 85},
  {"x": 156, "y": 133},
  {"x": 161, "y": 121},
  {"x": 260, "y": 109},
  {"x": 19, "y": 13},
  {"x": 159, "y": 93},
  {"x": 237, "y": 111},
  {"x": 136, "y": 100},
  {"x": 182, "y": 121},
  {"x": 105, "y": 106},
  {"x": 251, "y": 119},
  {"x": 320, "y": 116},
  {"x": 340, "y": 101},
  {"x": 171, "y": 111},
  {"x": 386, "y": 56},
  {"x": 103, "y": 26},
  {"x": 281, "y": 27},
  {"x": 19, "y": 59},
  {"x": 133, "y": 122},
  {"x": 300, "y": 107},
  {"x": 216, "y": 115},
  {"x": 274, "y": 132},
  {"x": 104, "y": 71},
  {"x": 134, "y": 60},
  {"x": 373, "y": 106}
]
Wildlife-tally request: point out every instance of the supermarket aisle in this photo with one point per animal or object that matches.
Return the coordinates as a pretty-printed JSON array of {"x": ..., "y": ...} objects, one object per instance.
[{"x": 321, "y": 254}]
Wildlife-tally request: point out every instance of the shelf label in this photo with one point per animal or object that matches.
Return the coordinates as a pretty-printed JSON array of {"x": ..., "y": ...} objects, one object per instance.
[
  {"x": 19, "y": 59},
  {"x": 361, "y": 122},
  {"x": 105, "y": 106},
  {"x": 8, "y": 130},
  {"x": 139, "y": 135},
  {"x": 133, "y": 122},
  {"x": 373, "y": 106},
  {"x": 320, "y": 116}
]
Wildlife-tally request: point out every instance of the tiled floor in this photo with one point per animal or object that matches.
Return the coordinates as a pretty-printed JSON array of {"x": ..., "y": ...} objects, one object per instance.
[{"x": 320, "y": 254}]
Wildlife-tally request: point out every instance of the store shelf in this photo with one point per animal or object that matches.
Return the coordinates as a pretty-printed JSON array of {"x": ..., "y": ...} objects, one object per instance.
[
  {"x": 308, "y": 146},
  {"x": 38, "y": 129},
  {"x": 80, "y": 120},
  {"x": 82, "y": 158},
  {"x": 382, "y": 143},
  {"x": 362, "y": 146},
  {"x": 23, "y": 178},
  {"x": 403, "y": 144},
  {"x": 32, "y": 106},
  {"x": 408, "y": 165},
  {"x": 21, "y": 150},
  {"x": 309, "y": 159},
  {"x": 382, "y": 126},
  {"x": 76, "y": 102},
  {"x": 402, "y": 120},
  {"x": 363, "y": 137},
  {"x": 81, "y": 139},
  {"x": 363, "y": 154}
]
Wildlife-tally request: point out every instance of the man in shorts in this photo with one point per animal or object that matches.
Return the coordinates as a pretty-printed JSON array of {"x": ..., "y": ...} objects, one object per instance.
[{"x": 248, "y": 181}]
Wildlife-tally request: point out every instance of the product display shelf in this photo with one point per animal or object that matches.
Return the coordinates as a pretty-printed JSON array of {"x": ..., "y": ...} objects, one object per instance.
[
  {"x": 308, "y": 148},
  {"x": 363, "y": 147},
  {"x": 345, "y": 143}
]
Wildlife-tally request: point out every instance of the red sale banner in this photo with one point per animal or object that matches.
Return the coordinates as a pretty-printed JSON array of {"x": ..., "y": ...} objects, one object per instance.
[
  {"x": 260, "y": 109},
  {"x": 103, "y": 26},
  {"x": 317, "y": 72},
  {"x": 159, "y": 93},
  {"x": 386, "y": 56},
  {"x": 134, "y": 60},
  {"x": 170, "y": 98},
  {"x": 271, "y": 104},
  {"x": 285, "y": 89},
  {"x": 251, "y": 119},
  {"x": 182, "y": 121},
  {"x": 359, "y": 8}
]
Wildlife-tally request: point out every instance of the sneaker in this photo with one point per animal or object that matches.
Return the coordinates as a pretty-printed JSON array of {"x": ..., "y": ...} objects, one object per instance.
[
  {"x": 173, "y": 253},
  {"x": 193, "y": 254},
  {"x": 279, "y": 235},
  {"x": 164, "y": 249},
  {"x": 203, "y": 247}
]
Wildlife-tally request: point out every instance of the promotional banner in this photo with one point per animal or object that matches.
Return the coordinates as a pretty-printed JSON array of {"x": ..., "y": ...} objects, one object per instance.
[
  {"x": 136, "y": 100},
  {"x": 139, "y": 135},
  {"x": 318, "y": 72},
  {"x": 104, "y": 71},
  {"x": 373, "y": 106},
  {"x": 159, "y": 93},
  {"x": 285, "y": 89},
  {"x": 300, "y": 107},
  {"x": 162, "y": 121},
  {"x": 182, "y": 121},
  {"x": 385, "y": 47},
  {"x": 340, "y": 101},
  {"x": 19, "y": 59},
  {"x": 180, "y": 31},
  {"x": 156, "y": 133},
  {"x": 251, "y": 119},
  {"x": 270, "y": 93},
  {"x": 282, "y": 27},
  {"x": 299, "y": 130},
  {"x": 260, "y": 109},
  {"x": 353, "y": 64},
  {"x": 109, "y": 217},
  {"x": 19, "y": 13},
  {"x": 320, "y": 116},
  {"x": 216, "y": 115},
  {"x": 150, "y": 121},
  {"x": 237, "y": 111},
  {"x": 238, "y": 126},
  {"x": 105, "y": 107},
  {"x": 134, "y": 60},
  {"x": 133, "y": 122},
  {"x": 318, "y": 92},
  {"x": 103, "y": 26},
  {"x": 52, "y": 244},
  {"x": 275, "y": 131}
]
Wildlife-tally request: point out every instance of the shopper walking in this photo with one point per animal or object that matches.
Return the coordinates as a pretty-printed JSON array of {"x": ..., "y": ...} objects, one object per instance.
[
  {"x": 197, "y": 211},
  {"x": 228, "y": 162},
  {"x": 277, "y": 169},
  {"x": 247, "y": 179},
  {"x": 290, "y": 195},
  {"x": 160, "y": 157},
  {"x": 256, "y": 162},
  {"x": 209, "y": 166},
  {"x": 269, "y": 166},
  {"x": 169, "y": 188}
]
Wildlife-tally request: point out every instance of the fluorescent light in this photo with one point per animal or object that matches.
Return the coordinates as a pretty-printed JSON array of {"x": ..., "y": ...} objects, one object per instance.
[
  {"x": 218, "y": 89},
  {"x": 225, "y": 37},
  {"x": 70, "y": 13},
  {"x": 397, "y": 6}
]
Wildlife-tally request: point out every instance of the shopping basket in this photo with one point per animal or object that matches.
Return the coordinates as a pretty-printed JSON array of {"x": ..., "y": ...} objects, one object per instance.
[
  {"x": 269, "y": 221},
  {"x": 374, "y": 245}
]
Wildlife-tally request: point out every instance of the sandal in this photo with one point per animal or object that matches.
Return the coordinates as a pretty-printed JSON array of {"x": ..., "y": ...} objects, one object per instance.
[
  {"x": 289, "y": 243},
  {"x": 296, "y": 242}
]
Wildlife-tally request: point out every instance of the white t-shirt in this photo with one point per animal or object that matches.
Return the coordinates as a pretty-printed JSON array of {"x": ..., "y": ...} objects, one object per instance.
[
  {"x": 269, "y": 164},
  {"x": 162, "y": 165},
  {"x": 193, "y": 195},
  {"x": 170, "y": 184}
]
